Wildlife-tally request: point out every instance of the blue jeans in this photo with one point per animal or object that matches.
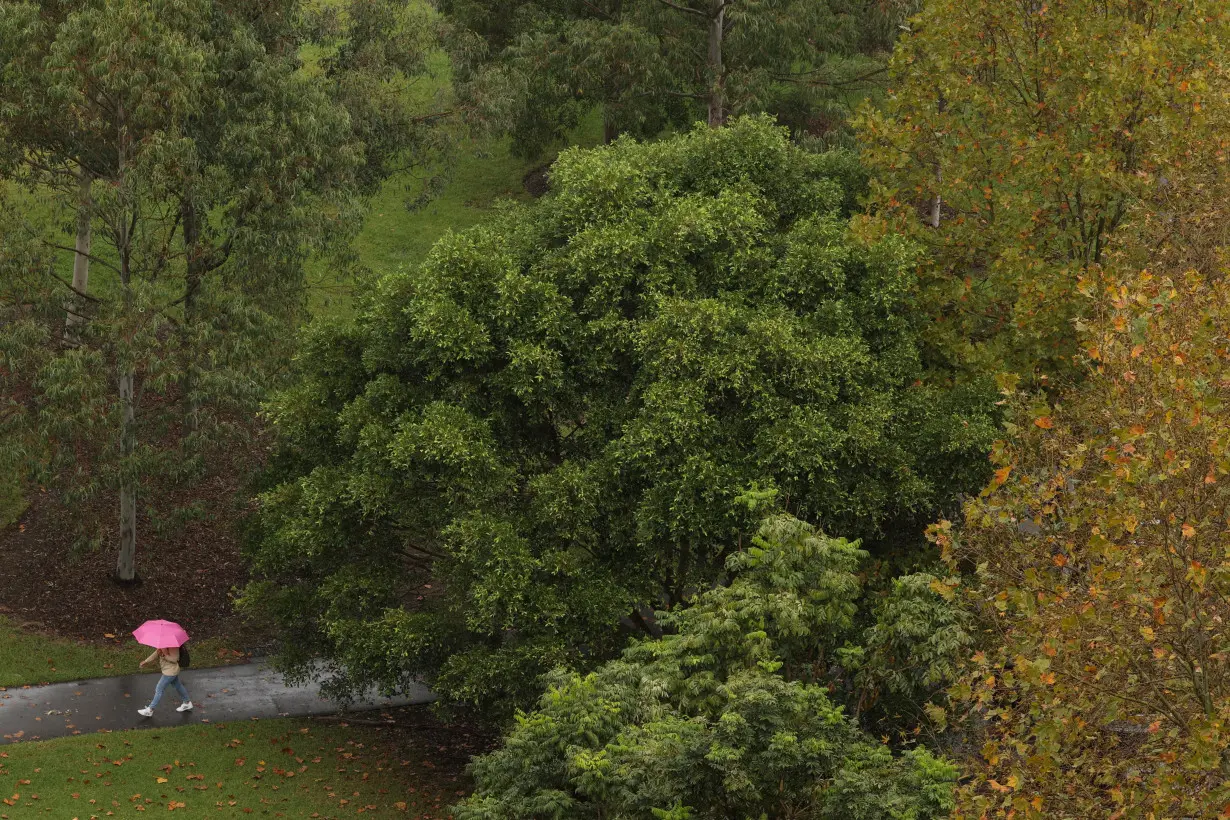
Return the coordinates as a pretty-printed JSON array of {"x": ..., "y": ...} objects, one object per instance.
[{"x": 163, "y": 683}]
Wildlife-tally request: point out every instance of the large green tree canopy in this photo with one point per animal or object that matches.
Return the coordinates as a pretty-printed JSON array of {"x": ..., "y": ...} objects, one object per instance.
[
  {"x": 549, "y": 420},
  {"x": 730, "y": 715}
]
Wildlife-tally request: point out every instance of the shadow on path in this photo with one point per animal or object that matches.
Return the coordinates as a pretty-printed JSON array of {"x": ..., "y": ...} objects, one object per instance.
[{"x": 220, "y": 694}]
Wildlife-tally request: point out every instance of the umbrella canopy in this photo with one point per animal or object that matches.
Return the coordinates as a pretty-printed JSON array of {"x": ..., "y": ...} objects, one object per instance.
[{"x": 160, "y": 634}]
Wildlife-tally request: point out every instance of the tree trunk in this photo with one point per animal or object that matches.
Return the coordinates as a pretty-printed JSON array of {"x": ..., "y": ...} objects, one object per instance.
[
  {"x": 609, "y": 130},
  {"x": 940, "y": 105},
  {"x": 192, "y": 286},
  {"x": 126, "y": 566},
  {"x": 717, "y": 78},
  {"x": 74, "y": 306},
  {"x": 935, "y": 205}
]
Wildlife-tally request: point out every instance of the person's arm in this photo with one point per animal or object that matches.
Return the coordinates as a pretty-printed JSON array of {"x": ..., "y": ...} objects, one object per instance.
[{"x": 151, "y": 658}]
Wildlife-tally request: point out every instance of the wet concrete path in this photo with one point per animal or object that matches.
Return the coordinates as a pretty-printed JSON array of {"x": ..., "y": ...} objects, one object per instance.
[{"x": 220, "y": 694}]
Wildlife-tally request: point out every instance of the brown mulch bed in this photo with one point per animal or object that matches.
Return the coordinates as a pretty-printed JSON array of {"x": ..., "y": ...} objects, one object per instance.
[{"x": 187, "y": 576}]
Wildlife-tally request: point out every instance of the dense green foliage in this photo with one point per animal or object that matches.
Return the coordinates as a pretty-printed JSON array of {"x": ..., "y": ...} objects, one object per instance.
[
  {"x": 535, "y": 68},
  {"x": 728, "y": 715},
  {"x": 552, "y": 417}
]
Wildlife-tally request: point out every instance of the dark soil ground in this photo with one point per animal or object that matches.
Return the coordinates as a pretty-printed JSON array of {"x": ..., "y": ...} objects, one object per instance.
[
  {"x": 537, "y": 180},
  {"x": 187, "y": 572},
  {"x": 189, "y": 577}
]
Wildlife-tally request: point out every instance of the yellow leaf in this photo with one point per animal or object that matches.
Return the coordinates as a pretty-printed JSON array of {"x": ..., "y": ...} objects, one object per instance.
[
  {"x": 162, "y": 780},
  {"x": 1147, "y": 632},
  {"x": 1001, "y": 475},
  {"x": 1188, "y": 530},
  {"x": 1044, "y": 422},
  {"x": 941, "y": 589}
]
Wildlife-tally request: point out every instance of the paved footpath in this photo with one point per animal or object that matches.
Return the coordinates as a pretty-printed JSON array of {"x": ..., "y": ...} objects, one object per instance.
[{"x": 220, "y": 694}]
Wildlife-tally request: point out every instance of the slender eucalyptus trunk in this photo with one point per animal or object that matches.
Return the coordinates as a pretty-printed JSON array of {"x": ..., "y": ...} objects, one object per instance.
[
  {"x": 192, "y": 287},
  {"x": 610, "y": 131},
  {"x": 74, "y": 306},
  {"x": 125, "y": 568},
  {"x": 717, "y": 76}
]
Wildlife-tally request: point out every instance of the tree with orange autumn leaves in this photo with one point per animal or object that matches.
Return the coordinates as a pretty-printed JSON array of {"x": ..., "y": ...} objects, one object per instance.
[
  {"x": 1099, "y": 558},
  {"x": 1046, "y": 153},
  {"x": 1020, "y": 141}
]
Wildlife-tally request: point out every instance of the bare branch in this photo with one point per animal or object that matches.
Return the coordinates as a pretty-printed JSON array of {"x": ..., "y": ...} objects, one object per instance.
[
  {"x": 91, "y": 257},
  {"x": 796, "y": 78},
  {"x": 687, "y": 9}
]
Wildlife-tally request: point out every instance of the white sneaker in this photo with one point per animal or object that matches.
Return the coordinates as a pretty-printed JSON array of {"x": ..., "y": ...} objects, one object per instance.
[
  {"x": 186, "y": 706},
  {"x": 146, "y": 711}
]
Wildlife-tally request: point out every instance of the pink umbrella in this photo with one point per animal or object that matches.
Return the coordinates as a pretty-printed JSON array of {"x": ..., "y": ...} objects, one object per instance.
[{"x": 160, "y": 634}]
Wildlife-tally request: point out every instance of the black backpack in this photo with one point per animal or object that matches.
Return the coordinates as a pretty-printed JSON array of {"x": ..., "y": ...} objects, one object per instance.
[{"x": 185, "y": 659}]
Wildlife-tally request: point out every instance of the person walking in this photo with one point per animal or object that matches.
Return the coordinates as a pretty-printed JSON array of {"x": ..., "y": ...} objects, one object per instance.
[
  {"x": 168, "y": 659},
  {"x": 166, "y": 637}
]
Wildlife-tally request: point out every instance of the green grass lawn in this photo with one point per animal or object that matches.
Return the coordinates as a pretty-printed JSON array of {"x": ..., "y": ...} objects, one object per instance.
[
  {"x": 273, "y": 768},
  {"x": 29, "y": 658}
]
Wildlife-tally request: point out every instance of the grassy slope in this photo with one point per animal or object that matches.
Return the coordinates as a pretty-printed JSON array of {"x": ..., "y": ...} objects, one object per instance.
[
  {"x": 274, "y": 768},
  {"x": 394, "y": 237}
]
